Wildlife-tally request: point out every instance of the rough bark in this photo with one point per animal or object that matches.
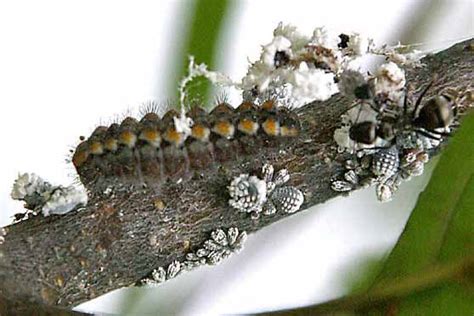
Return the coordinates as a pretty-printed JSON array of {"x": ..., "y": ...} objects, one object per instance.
[{"x": 117, "y": 240}]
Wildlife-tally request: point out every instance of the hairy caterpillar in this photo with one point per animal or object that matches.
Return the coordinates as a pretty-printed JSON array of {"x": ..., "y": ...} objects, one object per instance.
[{"x": 152, "y": 150}]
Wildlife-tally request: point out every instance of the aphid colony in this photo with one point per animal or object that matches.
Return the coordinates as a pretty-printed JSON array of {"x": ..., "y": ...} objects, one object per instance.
[
  {"x": 392, "y": 140},
  {"x": 154, "y": 149}
]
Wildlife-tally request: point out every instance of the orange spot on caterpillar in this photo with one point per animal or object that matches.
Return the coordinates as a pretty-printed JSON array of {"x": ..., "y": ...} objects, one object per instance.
[
  {"x": 174, "y": 137},
  {"x": 200, "y": 132},
  {"x": 271, "y": 127},
  {"x": 111, "y": 144},
  {"x": 248, "y": 126},
  {"x": 151, "y": 136},
  {"x": 96, "y": 148},
  {"x": 224, "y": 129},
  {"x": 128, "y": 138}
]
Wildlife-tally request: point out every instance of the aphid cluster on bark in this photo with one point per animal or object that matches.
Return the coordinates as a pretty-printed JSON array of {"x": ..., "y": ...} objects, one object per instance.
[{"x": 154, "y": 149}]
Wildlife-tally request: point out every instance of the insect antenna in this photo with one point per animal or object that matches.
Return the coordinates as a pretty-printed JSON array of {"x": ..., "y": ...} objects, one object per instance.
[
  {"x": 418, "y": 101},
  {"x": 405, "y": 104}
]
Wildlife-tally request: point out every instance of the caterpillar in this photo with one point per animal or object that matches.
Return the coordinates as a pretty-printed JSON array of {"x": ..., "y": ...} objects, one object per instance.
[{"x": 152, "y": 150}]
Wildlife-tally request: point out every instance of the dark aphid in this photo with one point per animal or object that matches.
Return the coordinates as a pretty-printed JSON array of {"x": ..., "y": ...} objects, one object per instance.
[
  {"x": 344, "y": 41},
  {"x": 281, "y": 59},
  {"x": 20, "y": 216},
  {"x": 168, "y": 117}
]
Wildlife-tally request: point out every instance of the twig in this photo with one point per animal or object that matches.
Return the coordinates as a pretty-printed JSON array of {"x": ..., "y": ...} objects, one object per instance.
[{"x": 115, "y": 241}]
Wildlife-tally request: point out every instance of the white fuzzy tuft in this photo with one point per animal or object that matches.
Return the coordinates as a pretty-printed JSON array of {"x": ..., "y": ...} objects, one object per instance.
[
  {"x": 359, "y": 45},
  {"x": 323, "y": 37},
  {"x": 312, "y": 84},
  {"x": 298, "y": 40},
  {"x": 183, "y": 124},
  {"x": 389, "y": 80},
  {"x": 43, "y": 197},
  {"x": 64, "y": 200},
  {"x": 27, "y": 184}
]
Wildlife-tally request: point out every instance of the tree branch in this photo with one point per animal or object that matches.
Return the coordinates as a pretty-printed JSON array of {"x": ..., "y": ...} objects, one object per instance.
[
  {"x": 117, "y": 240},
  {"x": 20, "y": 307}
]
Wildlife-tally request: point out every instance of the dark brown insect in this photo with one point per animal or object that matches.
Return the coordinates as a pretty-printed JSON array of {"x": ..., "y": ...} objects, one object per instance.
[
  {"x": 152, "y": 150},
  {"x": 438, "y": 112}
]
